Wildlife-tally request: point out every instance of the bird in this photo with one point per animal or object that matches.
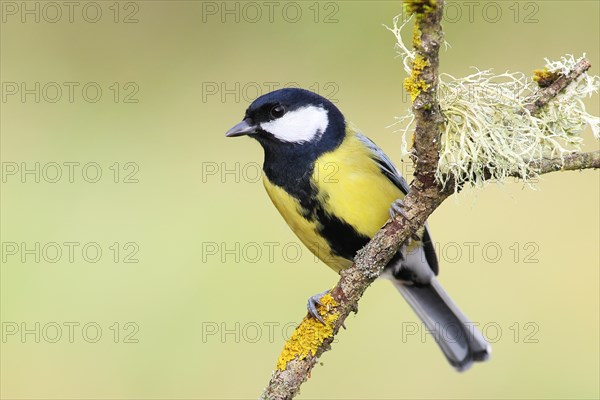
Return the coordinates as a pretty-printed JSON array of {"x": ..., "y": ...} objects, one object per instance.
[{"x": 336, "y": 188}]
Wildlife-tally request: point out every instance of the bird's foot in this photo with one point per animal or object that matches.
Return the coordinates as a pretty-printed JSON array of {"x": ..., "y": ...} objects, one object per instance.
[
  {"x": 312, "y": 305},
  {"x": 397, "y": 208}
]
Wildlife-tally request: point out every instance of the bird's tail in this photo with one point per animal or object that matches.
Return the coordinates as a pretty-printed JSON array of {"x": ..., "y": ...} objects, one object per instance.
[{"x": 461, "y": 342}]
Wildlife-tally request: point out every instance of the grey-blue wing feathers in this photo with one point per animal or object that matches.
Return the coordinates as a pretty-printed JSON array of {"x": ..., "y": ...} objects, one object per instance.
[
  {"x": 385, "y": 164},
  {"x": 460, "y": 341},
  {"x": 389, "y": 170},
  {"x": 413, "y": 274}
]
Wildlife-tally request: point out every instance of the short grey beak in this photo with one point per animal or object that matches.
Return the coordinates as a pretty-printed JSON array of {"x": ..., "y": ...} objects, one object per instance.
[{"x": 243, "y": 128}]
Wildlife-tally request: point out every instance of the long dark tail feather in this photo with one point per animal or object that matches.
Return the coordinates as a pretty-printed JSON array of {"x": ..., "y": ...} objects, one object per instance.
[{"x": 459, "y": 339}]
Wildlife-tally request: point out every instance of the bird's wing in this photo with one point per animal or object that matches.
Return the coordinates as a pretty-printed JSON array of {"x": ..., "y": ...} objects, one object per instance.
[
  {"x": 385, "y": 164},
  {"x": 389, "y": 170}
]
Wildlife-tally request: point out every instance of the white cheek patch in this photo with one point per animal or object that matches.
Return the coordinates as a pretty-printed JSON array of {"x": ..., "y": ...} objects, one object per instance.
[{"x": 301, "y": 125}]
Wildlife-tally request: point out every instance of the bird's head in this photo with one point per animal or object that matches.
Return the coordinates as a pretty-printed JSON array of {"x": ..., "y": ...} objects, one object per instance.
[{"x": 291, "y": 118}]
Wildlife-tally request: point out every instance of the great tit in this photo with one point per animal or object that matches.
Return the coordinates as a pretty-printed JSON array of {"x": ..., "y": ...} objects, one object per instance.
[{"x": 335, "y": 189}]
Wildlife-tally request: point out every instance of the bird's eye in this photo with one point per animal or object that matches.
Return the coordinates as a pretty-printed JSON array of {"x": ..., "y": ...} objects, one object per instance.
[{"x": 277, "y": 111}]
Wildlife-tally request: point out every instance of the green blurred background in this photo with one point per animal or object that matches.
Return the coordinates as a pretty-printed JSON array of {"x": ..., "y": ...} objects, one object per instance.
[{"x": 219, "y": 278}]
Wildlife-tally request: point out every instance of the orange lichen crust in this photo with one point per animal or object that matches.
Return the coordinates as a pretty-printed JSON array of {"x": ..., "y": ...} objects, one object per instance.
[
  {"x": 419, "y": 6},
  {"x": 309, "y": 335},
  {"x": 414, "y": 84},
  {"x": 416, "y": 39},
  {"x": 544, "y": 78}
]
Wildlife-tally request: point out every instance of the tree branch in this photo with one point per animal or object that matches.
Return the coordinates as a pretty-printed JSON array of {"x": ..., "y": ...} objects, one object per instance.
[
  {"x": 311, "y": 338},
  {"x": 423, "y": 198},
  {"x": 570, "y": 162},
  {"x": 545, "y": 94}
]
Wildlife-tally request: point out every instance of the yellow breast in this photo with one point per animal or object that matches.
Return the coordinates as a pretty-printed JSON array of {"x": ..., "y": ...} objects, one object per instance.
[
  {"x": 349, "y": 186},
  {"x": 306, "y": 230},
  {"x": 352, "y": 187}
]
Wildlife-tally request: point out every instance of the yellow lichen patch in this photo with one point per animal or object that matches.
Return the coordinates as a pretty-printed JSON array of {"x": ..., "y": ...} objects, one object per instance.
[
  {"x": 416, "y": 39},
  {"x": 309, "y": 335},
  {"x": 419, "y": 7},
  {"x": 414, "y": 84},
  {"x": 544, "y": 78}
]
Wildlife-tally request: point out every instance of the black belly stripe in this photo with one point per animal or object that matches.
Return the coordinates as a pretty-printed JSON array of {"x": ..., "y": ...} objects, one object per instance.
[
  {"x": 290, "y": 166},
  {"x": 343, "y": 239}
]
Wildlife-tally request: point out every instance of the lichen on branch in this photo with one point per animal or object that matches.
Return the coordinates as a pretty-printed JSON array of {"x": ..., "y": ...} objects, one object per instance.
[
  {"x": 419, "y": 7},
  {"x": 310, "y": 334},
  {"x": 544, "y": 77},
  {"x": 415, "y": 84},
  {"x": 497, "y": 124}
]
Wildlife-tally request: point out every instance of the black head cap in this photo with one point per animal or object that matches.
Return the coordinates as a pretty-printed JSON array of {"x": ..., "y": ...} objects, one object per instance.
[{"x": 293, "y": 117}]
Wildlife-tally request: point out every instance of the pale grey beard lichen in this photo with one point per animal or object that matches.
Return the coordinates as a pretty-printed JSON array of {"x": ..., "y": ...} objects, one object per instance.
[{"x": 489, "y": 135}]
